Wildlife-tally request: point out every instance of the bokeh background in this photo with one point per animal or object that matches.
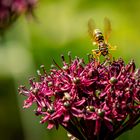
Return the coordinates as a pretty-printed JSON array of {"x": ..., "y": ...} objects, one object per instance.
[{"x": 60, "y": 26}]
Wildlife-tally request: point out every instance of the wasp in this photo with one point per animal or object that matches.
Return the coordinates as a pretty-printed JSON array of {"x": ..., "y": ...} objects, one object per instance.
[{"x": 101, "y": 40}]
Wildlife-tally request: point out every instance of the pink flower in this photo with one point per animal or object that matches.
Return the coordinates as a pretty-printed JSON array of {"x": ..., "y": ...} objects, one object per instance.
[
  {"x": 90, "y": 100},
  {"x": 10, "y": 10}
]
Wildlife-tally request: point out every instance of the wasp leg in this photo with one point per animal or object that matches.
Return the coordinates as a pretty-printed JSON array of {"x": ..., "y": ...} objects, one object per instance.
[
  {"x": 96, "y": 54},
  {"x": 112, "y": 48},
  {"x": 108, "y": 57}
]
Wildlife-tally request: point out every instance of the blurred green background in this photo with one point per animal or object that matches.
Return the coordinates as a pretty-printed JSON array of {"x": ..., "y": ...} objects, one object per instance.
[{"x": 61, "y": 26}]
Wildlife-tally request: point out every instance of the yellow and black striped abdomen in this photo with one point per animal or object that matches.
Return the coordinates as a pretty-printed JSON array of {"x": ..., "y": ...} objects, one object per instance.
[{"x": 98, "y": 36}]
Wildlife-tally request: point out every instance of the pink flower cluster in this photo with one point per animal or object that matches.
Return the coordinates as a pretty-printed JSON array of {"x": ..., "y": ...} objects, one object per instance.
[
  {"x": 92, "y": 101},
  {"x": 10, "y": 10}
]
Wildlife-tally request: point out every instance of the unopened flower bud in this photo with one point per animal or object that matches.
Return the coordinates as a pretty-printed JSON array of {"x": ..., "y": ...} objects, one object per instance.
[
  {"x": 113, "y": 80},
  {"x": 76, "y": 80},
  {"x": 67, "y": 104}
]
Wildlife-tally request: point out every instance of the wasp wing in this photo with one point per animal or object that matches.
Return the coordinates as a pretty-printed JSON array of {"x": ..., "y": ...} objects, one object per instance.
[
  {"x": 107, "y": 29},
  {"x": 91, "y": 28}
]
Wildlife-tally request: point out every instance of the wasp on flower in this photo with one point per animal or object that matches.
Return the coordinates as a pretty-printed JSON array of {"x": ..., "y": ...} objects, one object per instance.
[
  {"x": 101, "y": 40},
  {"x": 91, "y": 102}
]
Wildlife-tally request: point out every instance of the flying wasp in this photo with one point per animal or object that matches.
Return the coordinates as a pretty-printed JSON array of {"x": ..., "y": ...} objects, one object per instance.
[{"x": 101, "y": 40}]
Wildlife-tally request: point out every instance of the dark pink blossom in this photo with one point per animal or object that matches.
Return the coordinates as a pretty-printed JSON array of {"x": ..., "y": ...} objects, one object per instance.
[
  {"x": 90, "y": 100},
  {"x": 10, "y": 10}
]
